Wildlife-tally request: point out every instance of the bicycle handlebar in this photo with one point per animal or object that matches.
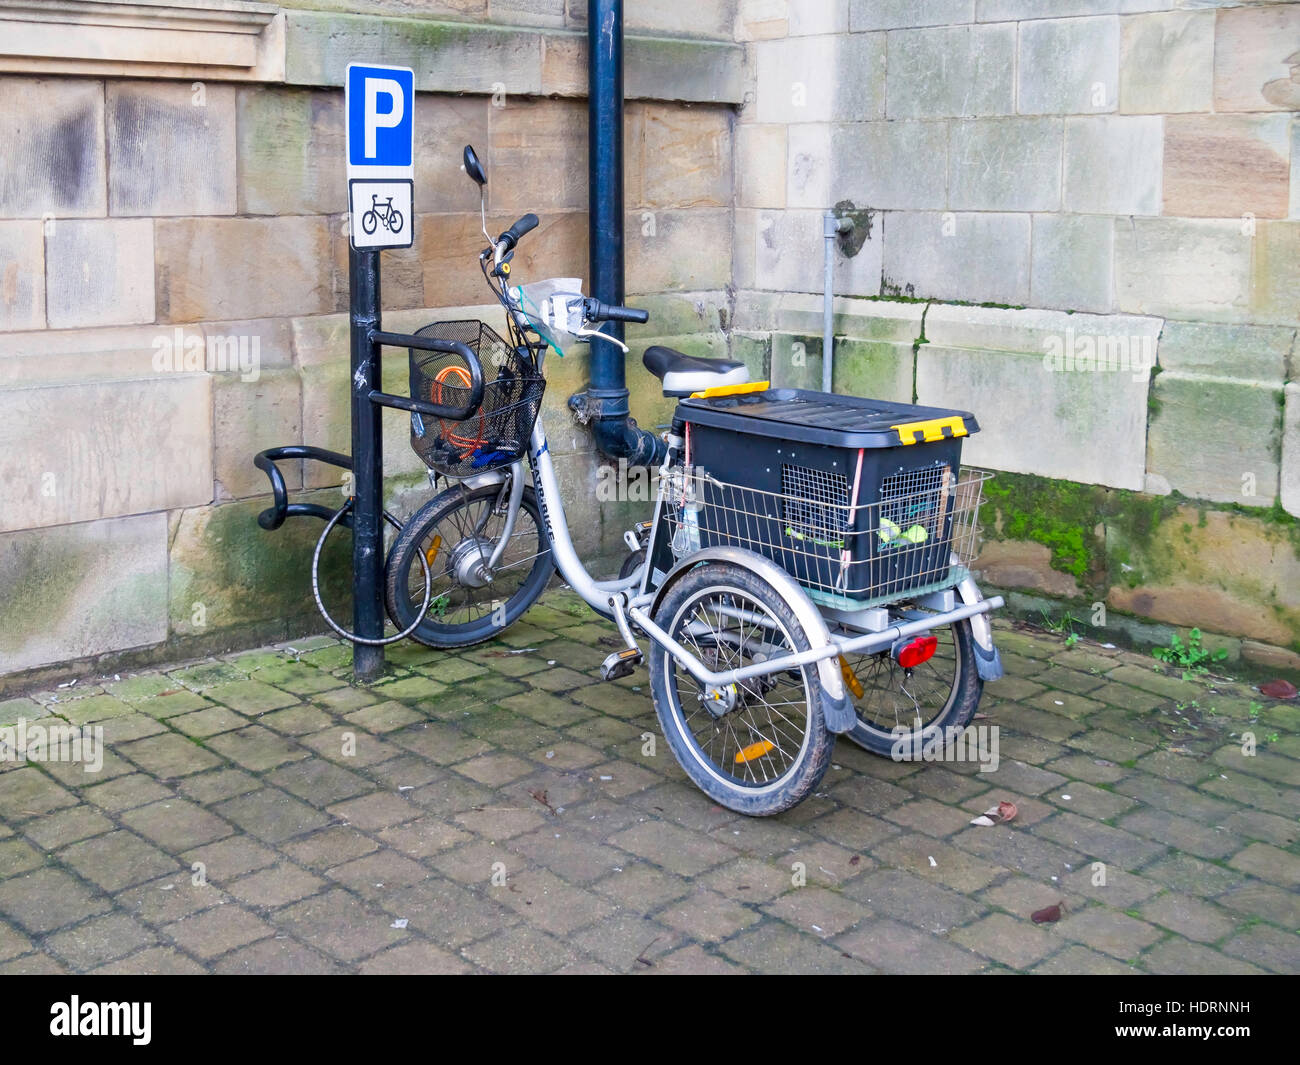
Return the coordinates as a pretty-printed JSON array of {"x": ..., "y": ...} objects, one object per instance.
[
  {"x": 522, "y": 226},
  {"x": 595, "y": 311}
]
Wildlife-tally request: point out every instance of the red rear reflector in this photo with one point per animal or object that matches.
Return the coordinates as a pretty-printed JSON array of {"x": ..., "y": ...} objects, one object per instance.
[{"x": 917, "y": 651}]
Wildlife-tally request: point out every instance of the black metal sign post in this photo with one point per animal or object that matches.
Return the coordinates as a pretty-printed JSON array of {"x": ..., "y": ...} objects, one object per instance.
[
  {"x": 380, "y": 103},
  {"x": 367, "y": 465}
]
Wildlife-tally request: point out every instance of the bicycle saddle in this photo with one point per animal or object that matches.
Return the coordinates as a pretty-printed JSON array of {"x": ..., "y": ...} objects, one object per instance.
[{"x": 683, "y": 374}]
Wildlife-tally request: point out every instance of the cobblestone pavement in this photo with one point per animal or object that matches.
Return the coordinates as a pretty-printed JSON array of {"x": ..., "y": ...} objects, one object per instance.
[{"x": 494, "y": 811}]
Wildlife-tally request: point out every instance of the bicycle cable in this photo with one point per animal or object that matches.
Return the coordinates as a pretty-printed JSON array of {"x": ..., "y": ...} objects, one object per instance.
[{"x": 315, "y": 585}]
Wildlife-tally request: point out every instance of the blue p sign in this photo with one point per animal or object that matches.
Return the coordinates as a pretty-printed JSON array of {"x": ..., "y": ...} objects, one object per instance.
[{"x": 380, "y": 104}]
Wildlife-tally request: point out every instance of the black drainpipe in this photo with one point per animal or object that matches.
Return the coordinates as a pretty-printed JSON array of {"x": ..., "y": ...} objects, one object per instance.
[{"x": 604, "y": 405}]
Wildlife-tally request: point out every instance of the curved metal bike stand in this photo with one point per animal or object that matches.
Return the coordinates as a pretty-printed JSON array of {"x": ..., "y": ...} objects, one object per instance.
[{"x": 274, "y": 516}]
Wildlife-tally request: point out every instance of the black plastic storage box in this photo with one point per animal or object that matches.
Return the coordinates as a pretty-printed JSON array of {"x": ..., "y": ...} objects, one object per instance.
[{"x": 775, "y": 472}]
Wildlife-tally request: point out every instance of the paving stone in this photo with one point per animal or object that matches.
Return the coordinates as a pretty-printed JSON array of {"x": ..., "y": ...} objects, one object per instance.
[
  {"x": 1183, "y": 958},
  {"x": 1272, "y": 948},
  {"x": 1254, "y": 899},
  {"x": 204, "y": 723},
  {"x": 568, "y": 854},
  {"x": 278, "y": 956},
  {"x": 901, "y": 895},
  {"x": 1269, "y": 863},
  {"x": 169, "y": 756},
  {"x": 890, "y": 947},
  {"x": 694, "y": 960},
  {"x": 1075, "y": 960},
  {"x": 1112, "y": 933},
  {"x": 67, "y": 826},
  {"x": 379, "y": 873},
  {"x": 448, "y": 914},
  {"x": 384, "y": 717},
  {"x": 818, "y": 911},
  {"x": 423, "y": 837},
  {"x": 298, "y": 720},
  {"x": 212, "y": 787},
  {"x": 250, "y": 696},
  {"x": 271, "y": 815},
  {"x": 1017, "y": 943},
  {"x": 1022, "y": 850},
  {"x": 415, "y": 959},
  {"x": 275, "y": 886},
  {"x": 319, "y": 782},
  {"x": 46, "y": 899},
  {"x": 1188, "y": 917},
  {"x": 1205, "y": 841},
  {"x": 28, "y": 793},
  {"x": 100, "y": 940},
  {"x": 229, "y": 858},
  {"x": 642, "y": 887},
  {"x": 375, "y": 811},
  {"x": 707, "y": 916},
  {"x": 520, "y": 950},
  {"x": 214, "y": 932},
  {"x": 170, "y": 898},
  {"x": 17, "y": 856},
  {"x": 256, "y": 748},
  {"x": 1099, "y": 842},
  {"x": 117, "y": 860},
  {"x": 674, "y": 848},
  {"x": 1120, "y": 889},
  {"x": 627, "y": 942},
  {"x": 340, "y": 926},
  {"x": 155, "y": 961},
  {"x": 329, "y": 847}
]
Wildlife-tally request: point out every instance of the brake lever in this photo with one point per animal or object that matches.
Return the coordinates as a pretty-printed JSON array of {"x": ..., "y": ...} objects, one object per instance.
[{"x": 587, "y": 334}]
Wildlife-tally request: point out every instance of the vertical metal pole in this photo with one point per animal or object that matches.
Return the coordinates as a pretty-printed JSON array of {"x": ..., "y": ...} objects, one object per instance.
[{"x": 367, "y": 466}]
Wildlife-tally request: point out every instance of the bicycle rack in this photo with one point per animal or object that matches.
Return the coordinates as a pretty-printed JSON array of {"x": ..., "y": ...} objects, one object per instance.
[{"x": 365, "y": 509}]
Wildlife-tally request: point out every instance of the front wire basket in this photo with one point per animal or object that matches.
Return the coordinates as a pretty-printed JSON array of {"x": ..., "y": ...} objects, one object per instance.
[
  {"x": 497, "y": 433},
  {"x": 918, "y": 538}
]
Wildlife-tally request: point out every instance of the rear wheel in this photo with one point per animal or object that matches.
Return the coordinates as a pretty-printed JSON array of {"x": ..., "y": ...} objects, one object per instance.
[
  {"x": 906, "y": 710},
  {"x": 457, "y": 532},
  {"x": 757, "y": 746}
]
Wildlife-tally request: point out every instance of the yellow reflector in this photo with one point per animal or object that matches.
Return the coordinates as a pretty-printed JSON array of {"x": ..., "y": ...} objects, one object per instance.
[
  {"x": 754, "y": 750},
  {"x": 433, "y": 550},
  {"x": 851, "y": 678}
]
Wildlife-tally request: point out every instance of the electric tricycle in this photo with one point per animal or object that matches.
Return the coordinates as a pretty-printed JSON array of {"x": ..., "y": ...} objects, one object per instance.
[{"x": 803, "y": 574}]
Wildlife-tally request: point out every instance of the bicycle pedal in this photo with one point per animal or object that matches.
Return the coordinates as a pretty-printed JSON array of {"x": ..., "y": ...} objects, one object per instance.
[{"x": 621, "y": 663}]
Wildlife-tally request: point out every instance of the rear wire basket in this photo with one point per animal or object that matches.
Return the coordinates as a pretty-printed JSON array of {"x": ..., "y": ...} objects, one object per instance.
[
  {"x": 497, "y": 433},
  {"x": 919, "y": 536}
]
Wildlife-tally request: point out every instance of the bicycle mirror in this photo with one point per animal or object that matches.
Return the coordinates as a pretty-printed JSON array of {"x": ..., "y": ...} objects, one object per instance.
[{"x": 473, "y": 167}]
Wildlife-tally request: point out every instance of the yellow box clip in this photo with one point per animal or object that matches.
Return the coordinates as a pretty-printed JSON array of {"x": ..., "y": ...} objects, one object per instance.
[
  {"x": 732, "y": 390},
  {"x": 929, "y": 431}
]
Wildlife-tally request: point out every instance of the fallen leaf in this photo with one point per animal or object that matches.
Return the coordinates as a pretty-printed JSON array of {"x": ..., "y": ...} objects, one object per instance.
[
  {"x": 1047, "y": 915},
  {"x": 855, "y": 859},
  {"x": 1278, "y": 689}
]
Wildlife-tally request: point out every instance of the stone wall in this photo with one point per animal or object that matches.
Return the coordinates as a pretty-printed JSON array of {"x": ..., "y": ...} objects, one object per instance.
[
  {"x": 174, "y": 261},
  {"x": 1108, "y": 182}
]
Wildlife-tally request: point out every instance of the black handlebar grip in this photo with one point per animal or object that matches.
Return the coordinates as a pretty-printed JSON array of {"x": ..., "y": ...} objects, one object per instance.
[
  {"x": 511, "y": 236},
  {"x": 606, "y": 312}
]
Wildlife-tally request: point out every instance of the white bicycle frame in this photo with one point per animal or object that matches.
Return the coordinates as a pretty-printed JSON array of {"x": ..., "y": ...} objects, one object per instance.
[
  {"x": 878, "y": 631},
  {"x": 617, "y": 598}
]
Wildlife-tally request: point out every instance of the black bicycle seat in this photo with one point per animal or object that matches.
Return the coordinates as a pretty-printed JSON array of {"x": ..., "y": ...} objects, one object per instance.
[{"x": 684, "y": 374}]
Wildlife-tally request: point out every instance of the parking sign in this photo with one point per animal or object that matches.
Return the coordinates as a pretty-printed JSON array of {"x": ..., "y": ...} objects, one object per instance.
[{"x": 381, "y": 155}]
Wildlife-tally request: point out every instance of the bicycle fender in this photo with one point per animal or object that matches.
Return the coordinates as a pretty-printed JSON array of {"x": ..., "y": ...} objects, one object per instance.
[
  {"x": 837, "y": 707},
  {"x": 988, "y": 663}
]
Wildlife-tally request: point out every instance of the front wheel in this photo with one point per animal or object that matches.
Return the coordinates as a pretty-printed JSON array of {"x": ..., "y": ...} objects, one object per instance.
[
  {"x": 758, "y": 746},
  {"x": 457, "y": 532},
  {"x": 903, "y": 711},
  {"x": 368, "y": 222}
]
